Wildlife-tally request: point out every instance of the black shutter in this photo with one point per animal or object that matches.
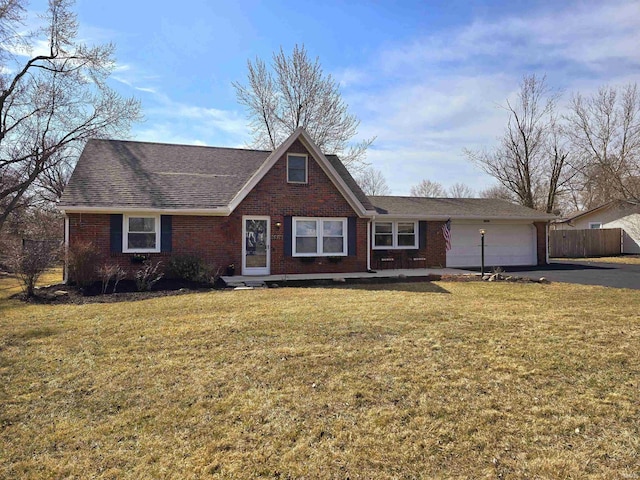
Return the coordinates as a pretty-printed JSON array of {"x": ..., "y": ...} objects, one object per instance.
[
  {"x": 287, "y": 236},
  {"x": 422, "y": 235},
  {"x": 352, "y": 228},
  {"x": 165, "y": 233},
  {"x": 116, "y": 233}
]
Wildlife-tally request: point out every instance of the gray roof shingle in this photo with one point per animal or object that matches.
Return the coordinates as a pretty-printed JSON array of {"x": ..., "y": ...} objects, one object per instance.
[
  {"x": 455, "y": 208},
  {"x": 129, "y": 174}
]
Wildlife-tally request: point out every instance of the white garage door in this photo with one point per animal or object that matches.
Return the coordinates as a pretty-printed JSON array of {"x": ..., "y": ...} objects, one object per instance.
[{"x": 505, "y": 244}]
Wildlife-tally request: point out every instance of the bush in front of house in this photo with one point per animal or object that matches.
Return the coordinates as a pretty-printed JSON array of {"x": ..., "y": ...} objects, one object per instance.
[
  {"x": 148, "y": 275},
  {"x": 83, "y": 261},
  {"x": 192, "y": 268},
  {"x": 111, "y": 273}
]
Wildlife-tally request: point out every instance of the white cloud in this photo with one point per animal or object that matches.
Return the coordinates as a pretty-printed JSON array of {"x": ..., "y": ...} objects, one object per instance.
[{"x": 439, "y": 94}]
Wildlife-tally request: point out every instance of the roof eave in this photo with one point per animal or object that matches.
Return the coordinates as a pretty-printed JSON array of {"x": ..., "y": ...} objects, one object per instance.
[
  {"x": 216, "y": 211},
  {"x": 462, "y": 217}
]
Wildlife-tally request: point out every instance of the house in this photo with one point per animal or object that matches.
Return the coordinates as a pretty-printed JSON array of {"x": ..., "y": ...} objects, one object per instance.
[
  {"x": 623, "y": 214},
  {"x": 293, "y": 210}
]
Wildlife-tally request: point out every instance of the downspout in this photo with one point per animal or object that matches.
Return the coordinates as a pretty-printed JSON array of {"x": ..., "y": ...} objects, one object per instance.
[
  {"x": 65, "y": 270},
  {"x": 368, "y": 245},
  {"x": 369, "y": 223},
  {"x": 546, "y": 241}
]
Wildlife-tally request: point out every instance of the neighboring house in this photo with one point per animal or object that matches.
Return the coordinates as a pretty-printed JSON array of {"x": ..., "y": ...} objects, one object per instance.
[
  {"x": 624, "y": 214},
  {"x": 293, "y": 210}
]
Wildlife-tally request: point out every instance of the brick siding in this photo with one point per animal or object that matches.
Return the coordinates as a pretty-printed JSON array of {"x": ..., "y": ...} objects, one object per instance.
[{"x": 218, "y": 240}]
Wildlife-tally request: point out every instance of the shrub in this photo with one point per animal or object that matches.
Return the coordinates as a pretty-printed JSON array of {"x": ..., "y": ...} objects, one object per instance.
[
  {"x": 148, "y": 275},
  {"x": 186, "y": 267},
  {"x": 30, "y": 261},
  {"x": 83, "y": 260},
  {"x": 192, "y": 269},
  {"x": 109, "y": 272}
]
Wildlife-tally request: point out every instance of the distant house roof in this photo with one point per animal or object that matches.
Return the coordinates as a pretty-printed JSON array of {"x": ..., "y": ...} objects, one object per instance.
[
  {"x": 141, "y": 175},
  {"x": 455, "y": 208},
  {"x": 573, "y": 216}
]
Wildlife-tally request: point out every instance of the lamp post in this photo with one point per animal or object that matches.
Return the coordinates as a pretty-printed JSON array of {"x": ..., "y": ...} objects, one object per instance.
[{"x": 482, "y": 232}]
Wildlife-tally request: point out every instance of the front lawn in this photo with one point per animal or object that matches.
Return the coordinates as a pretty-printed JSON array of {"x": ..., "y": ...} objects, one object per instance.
[{"x": 442, "y": 380}]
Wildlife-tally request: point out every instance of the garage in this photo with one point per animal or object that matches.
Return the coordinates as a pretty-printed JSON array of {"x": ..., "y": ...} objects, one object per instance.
[{"x": 506, "y": 244}]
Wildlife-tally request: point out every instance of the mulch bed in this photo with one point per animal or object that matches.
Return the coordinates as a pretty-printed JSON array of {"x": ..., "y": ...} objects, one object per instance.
[{"x": 127, "y": 292}]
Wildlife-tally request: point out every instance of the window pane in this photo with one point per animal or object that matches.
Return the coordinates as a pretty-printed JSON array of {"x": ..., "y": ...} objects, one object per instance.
[
  {"x": 406, "y": 240},
  {"x": 306, "y": 244},
  {"x": 332, "y": 228},
  {"x": 306, "y": 228},
  {"x": 406, "y": 227},
  {"x": 142, "y": 240},
  {"x": 383, "y": 240},
  {"x": 296, "y": 169},
  {"x": 384, "y": 227},
  {"x": 333, "y": 245},
  {"x": 142, "y": 224}
]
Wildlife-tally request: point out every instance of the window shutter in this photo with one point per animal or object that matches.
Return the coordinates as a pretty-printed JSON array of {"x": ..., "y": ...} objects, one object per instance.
[
  {"x": 116, "y": 233},
  {"x": 352, "y": 227},
  {"x": 287, "y": 236},
  {"x": 165, "y": 233},
  {"x": 422, "y": 235}
]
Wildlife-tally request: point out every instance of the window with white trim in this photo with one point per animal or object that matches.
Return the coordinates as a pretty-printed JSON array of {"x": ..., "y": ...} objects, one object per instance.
[
  {"x": 296, "y": 168},
  {"x": 595, "y": 225},
  {"x": 141, "y": 234},
  {"x": 396, "y": 234},
  {"x": 319, "y": 237}
]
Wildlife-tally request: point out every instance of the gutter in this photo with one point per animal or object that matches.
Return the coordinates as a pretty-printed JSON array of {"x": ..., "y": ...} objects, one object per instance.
[{"x": 217, "y": 211}]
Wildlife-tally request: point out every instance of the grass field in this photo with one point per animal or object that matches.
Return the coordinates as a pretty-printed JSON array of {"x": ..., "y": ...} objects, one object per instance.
[
  {"x": 442, "y": 380},
  {"x": 625, "y": 259}
]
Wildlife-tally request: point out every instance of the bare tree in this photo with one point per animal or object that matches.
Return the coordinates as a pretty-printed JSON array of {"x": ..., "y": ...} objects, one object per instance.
[
  {"x": 498, "y": 191},
  {"x": 51, "y": 102},
  {"x": 605, "y": 132},
  {"x": 372, "y": 182},
  {"x": 531, "y": 159},
  {"x": 294, "y": 92},
  {"x": 460, "y": 190},
  {"x": 427, "y": 188}
]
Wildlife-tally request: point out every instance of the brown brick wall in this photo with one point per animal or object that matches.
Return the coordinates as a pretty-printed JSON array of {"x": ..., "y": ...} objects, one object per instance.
[
  {"x": 218, "y": 240},
  {"x": 541, "y": 239},
  {"x": 434, "y": 253}
]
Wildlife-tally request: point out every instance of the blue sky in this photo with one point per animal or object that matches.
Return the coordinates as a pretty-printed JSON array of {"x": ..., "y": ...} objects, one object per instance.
[{"x": 426, "y": 78}]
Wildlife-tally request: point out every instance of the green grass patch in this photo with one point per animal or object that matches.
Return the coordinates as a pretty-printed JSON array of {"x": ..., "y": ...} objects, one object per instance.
[{"x": 443, "y": 380}]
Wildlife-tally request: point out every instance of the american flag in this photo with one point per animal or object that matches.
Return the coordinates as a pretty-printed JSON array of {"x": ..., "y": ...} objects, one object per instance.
[{"x": 446, "y": 233}]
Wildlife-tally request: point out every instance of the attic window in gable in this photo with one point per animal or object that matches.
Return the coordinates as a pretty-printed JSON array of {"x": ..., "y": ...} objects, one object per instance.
[{"x": 297, "y": 168}]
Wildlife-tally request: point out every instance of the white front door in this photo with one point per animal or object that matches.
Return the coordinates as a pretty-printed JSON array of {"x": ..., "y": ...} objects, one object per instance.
[{"x": 256, "y": 234}]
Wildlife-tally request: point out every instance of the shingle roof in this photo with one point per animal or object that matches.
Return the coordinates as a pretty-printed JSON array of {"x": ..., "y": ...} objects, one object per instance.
[
  {"x": 461, "y": 208},
  {"x": 573, "y": 215},
  {"x": 128, "y": 174}
]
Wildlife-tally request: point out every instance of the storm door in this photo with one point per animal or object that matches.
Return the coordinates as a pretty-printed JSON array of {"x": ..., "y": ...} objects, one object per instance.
[{"x": 255, "y": 250}]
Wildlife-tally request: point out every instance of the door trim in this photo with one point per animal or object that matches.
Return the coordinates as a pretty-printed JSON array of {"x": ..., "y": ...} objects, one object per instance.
[{"x": 256, "y": 270}]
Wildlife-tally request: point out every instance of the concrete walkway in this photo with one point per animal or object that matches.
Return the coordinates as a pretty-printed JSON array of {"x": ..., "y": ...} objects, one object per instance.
[{"x": 400, "y": 273}]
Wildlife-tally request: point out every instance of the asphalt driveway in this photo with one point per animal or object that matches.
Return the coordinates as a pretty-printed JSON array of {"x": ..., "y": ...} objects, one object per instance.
[{"x": 586, "y": 273}]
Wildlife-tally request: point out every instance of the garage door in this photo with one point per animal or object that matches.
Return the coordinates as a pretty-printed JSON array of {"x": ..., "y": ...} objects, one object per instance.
[{"x": 505, "y": 244}]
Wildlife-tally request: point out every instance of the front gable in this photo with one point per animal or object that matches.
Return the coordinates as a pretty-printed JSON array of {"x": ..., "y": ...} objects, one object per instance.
[
  {"x": 319, "y": 170},
  {"x": 317, "y": 196}
]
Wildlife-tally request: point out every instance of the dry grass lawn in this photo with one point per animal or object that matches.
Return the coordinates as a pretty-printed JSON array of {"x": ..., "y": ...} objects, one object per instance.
[
  {"x": 625, "y": 259},
  {"x": 444, "y": 380}
]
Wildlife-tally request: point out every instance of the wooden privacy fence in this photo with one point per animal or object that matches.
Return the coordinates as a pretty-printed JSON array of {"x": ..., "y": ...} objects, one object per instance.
[{"x": 597, "y": 242}]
